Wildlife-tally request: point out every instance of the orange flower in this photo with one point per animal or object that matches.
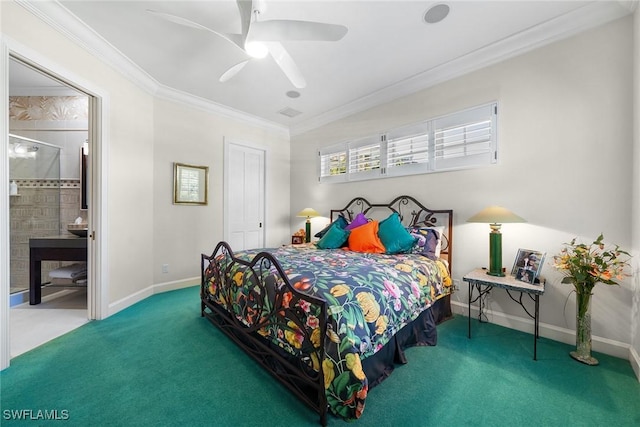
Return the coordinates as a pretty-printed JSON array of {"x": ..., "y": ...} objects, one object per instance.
[
  {"x": 585, "y": 265},
  {"x": 286, "y": 299}
]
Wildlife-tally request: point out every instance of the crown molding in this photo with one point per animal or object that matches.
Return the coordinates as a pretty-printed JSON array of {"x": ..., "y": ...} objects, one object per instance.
[
  {"x": 61, "y": 19},
  {"x": 174, "y": 95},
  {"x": 58, "y": 17},
  {"x": 589, "y": 16}
]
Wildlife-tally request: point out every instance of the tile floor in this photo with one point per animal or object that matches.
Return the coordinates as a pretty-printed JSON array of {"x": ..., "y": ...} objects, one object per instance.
[{"x": 34, "y": 325}]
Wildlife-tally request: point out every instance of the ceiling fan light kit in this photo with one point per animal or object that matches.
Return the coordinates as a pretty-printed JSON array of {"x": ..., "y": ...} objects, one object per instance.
[
  {"x": 261, "y": 38},
  {"x": 256, "y": 50}
]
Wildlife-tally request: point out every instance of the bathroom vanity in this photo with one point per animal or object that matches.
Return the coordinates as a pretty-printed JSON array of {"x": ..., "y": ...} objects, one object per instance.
[{"x": 55, "y": 248}]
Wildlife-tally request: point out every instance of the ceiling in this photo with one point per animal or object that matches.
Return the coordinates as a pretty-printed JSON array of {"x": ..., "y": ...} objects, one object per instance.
[
  {"x": 26, "y": 81},
  {"x": 389, "y": 50}
]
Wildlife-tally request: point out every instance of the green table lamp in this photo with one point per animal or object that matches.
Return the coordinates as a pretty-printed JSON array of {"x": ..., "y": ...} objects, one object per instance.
[
  {"x": 308, "y": 213},
  {"x": 495, "y": 216}
]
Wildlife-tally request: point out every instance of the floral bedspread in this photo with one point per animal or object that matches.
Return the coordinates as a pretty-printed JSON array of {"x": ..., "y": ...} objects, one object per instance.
[{"x": 370, "y": 297}]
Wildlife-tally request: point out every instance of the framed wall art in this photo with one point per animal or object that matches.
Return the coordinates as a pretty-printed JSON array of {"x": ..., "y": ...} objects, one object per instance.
[{"x": 190, "y": 184}]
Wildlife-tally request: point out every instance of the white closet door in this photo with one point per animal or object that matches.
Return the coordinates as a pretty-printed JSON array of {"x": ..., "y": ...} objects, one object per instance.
[{"x": 244, "y": 196}]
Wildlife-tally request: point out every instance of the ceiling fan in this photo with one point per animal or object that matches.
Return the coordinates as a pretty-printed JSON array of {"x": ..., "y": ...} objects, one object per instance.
[{"x": 261, "y": 38}]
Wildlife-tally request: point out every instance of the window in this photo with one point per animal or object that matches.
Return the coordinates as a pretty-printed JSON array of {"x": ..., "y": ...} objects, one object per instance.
[
  {"x": 408, "y": 150},
  {"x": 365, "y": 158},
  {"x": 464, "y": 139},
  {"x": 333, "y": 163}
]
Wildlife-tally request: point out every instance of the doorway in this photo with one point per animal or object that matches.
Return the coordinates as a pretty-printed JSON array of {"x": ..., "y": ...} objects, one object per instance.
[
  {"x": 46, "y": 107},
  {"x": 244, "y": 199}
]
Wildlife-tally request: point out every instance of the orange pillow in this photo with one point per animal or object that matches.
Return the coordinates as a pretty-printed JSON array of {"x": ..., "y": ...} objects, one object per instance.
[{"x": 365, "y": 239}]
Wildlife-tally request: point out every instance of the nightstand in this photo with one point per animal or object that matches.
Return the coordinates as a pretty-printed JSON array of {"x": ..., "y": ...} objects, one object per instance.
[{"x": 480, "y": 280}]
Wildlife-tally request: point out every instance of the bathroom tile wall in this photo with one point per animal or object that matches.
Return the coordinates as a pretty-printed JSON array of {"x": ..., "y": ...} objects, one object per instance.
[{"x": 45, "y": 206}]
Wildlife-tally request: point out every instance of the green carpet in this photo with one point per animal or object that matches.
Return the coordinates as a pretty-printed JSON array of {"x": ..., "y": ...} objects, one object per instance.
[{"x": 158, "y": 363}]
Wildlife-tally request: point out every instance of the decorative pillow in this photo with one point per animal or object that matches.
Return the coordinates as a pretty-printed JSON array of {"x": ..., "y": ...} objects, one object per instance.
[
  {"x": 359, "y": 220},
  {"x": 341, "y": 222},
  {"x": 394, "y": 236},
  {"x": 365, "y": 239},
  {"x": 429, "y": 241},
  {"x": 334, "y": 237}
]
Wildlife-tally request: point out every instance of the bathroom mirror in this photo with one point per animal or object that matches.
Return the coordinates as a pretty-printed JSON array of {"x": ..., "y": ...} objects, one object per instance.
[
  {"x": 190, "y": 184},
  {"x": 84, "y": 187}
]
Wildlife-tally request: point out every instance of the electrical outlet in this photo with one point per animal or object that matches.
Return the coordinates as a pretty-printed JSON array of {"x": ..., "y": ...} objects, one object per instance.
[
  {"x": 456, "y": 284},
  {"x": 165, "y": 268}
]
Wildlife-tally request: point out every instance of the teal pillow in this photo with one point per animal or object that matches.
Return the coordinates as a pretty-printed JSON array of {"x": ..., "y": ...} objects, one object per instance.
[
  {"x": 334, "y": 237},
  {"x": 394, "y": 236},
  {"x": 341, "y": 222}
]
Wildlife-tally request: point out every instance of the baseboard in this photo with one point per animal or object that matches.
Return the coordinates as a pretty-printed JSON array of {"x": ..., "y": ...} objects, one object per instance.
[
  {"x": 634, "y": 358},
  {"x": 158, "y": 288},
  {"x": 568, "y": 336},
  {"x": 175, "y": 285}
]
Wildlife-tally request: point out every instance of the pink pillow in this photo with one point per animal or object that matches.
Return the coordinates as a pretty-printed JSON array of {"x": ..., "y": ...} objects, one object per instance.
[
  {"x": 359, "y": 220},
  {"x": 365, "y": 239}
]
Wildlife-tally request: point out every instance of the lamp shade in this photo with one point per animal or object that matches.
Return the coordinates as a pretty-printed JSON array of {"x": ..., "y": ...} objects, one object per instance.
[
  {"x": 308, "y": 213},
  {"x": 496, "y": 215}
]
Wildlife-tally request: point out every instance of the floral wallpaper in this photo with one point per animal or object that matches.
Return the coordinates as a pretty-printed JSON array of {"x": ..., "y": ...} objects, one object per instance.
[{"x": 48, "y": 107}]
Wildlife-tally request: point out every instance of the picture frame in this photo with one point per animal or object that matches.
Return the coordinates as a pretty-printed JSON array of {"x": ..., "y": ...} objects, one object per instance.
[
  {"x": 297, "y": 240},
  {"x": 527, "y": 265},
  {"x": 190, "y": 184}
]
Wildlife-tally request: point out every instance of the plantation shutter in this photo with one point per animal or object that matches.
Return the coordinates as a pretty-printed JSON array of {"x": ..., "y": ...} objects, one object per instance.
[
  {"x": 333, "y": 163},
  {"x": 365, "y": 158},
  {"x": 408, "y": 150},
  {"x": 466, "y": 139}
]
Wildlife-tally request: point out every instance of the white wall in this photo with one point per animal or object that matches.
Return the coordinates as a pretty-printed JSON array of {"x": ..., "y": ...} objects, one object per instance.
[
  {"x": 182, "y": 233},
  {"x": 4, "y": 213},
  {"x": 635, "y": 317},
  {"x": 130, "y": 130},
  {"x": 565, "y": 136},
  {"x": 144, "y": 136}
]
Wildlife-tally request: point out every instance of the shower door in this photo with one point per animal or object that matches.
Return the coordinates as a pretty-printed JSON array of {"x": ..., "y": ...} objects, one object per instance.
[{"x": 34, "y": 203}]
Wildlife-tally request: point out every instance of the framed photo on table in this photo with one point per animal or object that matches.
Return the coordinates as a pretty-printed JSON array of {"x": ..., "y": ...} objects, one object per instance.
[
  {"x": 297, "y": 240},
  {"x": 527, "y": 265}
]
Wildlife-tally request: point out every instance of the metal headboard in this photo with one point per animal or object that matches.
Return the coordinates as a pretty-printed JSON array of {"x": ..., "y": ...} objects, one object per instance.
[{"x": 411, "y": 213}]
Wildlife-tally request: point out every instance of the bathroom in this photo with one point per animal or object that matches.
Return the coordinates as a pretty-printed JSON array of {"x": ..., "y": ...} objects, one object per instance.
[{"x": 48, "y": 147}]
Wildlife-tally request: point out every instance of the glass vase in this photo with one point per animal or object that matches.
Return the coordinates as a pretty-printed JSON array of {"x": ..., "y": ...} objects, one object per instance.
[{"x": 583, "y": 328}]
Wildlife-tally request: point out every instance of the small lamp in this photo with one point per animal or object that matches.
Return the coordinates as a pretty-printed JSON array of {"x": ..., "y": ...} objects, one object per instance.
[
  {"x": 495, "y": 216},
  {"x": 308, "y": 213}
]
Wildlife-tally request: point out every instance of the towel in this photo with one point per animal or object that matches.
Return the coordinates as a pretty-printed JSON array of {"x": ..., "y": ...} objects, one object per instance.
[
  {"x": 68, "y": 282},
  {"x": 73, "y": 271}
]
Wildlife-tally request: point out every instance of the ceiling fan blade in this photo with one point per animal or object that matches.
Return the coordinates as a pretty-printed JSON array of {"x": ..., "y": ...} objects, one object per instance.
[
  {"x": 246, "y": 10},
  {"x": 286, "y": 64},
  {"x": 291, "y": 30},
  {"x": 232, "y": 71},
  {"x": 236, "y": 39}
]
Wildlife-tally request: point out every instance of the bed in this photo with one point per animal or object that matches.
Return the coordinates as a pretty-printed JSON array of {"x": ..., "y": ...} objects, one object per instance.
[{"x": 332, "y": 322}]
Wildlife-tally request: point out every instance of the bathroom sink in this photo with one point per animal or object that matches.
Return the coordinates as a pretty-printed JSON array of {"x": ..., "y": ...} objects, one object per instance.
[{"x": 78, "y": 229}]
